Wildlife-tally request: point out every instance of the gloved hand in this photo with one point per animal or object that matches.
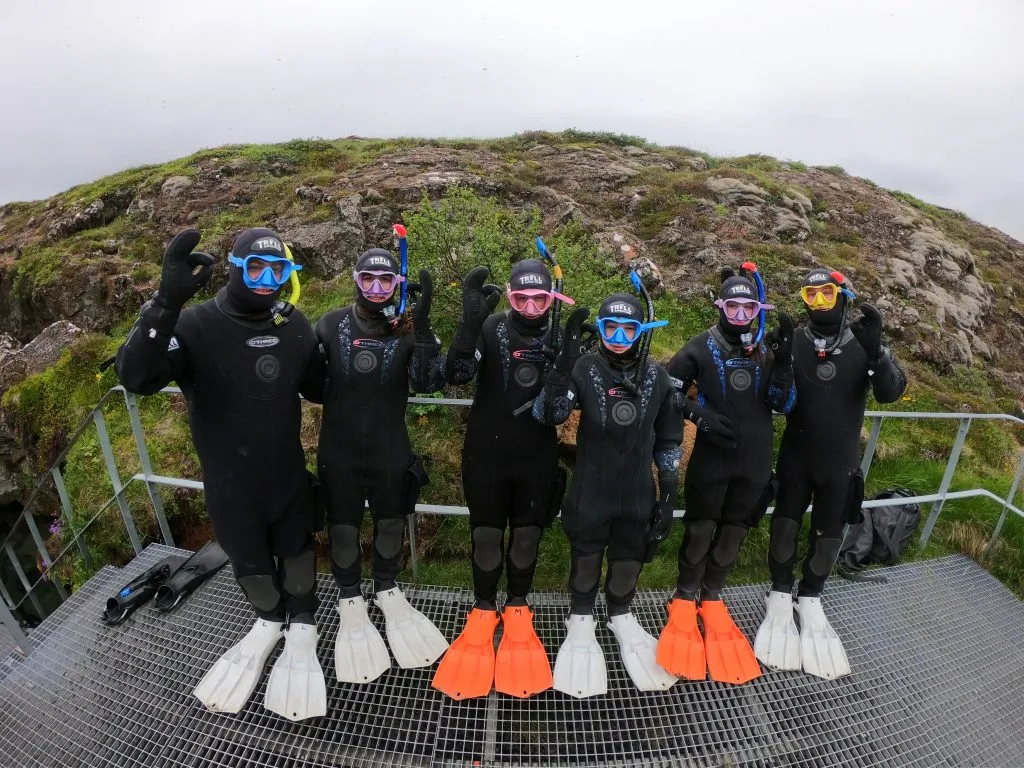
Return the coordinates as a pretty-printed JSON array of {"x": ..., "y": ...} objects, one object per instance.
[
  {"x": 572, "y": 342},
  {"x": 868, "y": 331},
  {"x": 478, "y": 300},
  {"x": 179, "y": 282},
  {"x": 421, "y": 309},
  {"x": 781, "y": 340},
  {"x": 718, "y": 428},
  {"x": 661, "y": 527}
]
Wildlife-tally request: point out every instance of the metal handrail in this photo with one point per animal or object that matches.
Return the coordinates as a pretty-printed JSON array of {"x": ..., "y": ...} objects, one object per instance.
[{"x": 153, "y": 481}]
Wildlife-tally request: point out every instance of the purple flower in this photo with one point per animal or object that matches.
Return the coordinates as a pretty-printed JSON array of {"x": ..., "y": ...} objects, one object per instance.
[{"x": 55, "y": 527}]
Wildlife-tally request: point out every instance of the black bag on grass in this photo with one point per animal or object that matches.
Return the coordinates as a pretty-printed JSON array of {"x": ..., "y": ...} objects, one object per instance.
[{"x": 884, "y": 533}]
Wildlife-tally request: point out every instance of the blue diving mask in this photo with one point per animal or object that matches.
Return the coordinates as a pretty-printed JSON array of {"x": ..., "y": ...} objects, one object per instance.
[
  {"x": 265, "y": 271},
  {"x": 624, "y": 330}
]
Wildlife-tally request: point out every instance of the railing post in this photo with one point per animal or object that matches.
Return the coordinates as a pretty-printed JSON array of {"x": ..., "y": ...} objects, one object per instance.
[
  {"x": 65, "y": 503},
  {"x": 869, "y": 449},
  {"x": 115, "y": 479},
  {"x": 1009, "y": 500},
  {"x": 412, "y": 546},
  {"x": 20, "y": 572},
  {"x": 14, "y": 627},
  {"x": 947, "y": 478},
  {"x": 147, "y": 466}
]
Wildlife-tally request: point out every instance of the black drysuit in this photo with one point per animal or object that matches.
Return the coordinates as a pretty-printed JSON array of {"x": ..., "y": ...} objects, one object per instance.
[
  {"x": 727, "y": 490},
  {"x": 509, "y": 462},
  {"x": 242, "y": 380},
  {"x": 364, "y": 453},
  {"x": 612, "y": 498},
  {"x": 820, "y": 451}
]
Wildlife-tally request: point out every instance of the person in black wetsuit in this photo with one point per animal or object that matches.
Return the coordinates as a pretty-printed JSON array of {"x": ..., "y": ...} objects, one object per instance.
[
  {"x": 728, "y": 477},
  {"x": 629, "y": 421},
  {"x": 836, "y": 364},
  {"x": 374, "y": 355},
  {"x": 242, "y": 364},
  {"x": 510, "y": 475}
]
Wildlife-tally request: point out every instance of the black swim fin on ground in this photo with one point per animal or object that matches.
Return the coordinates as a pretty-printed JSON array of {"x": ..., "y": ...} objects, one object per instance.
[
  {"x": 140, "y": 589},
  {"x": 197, "y": 569}
]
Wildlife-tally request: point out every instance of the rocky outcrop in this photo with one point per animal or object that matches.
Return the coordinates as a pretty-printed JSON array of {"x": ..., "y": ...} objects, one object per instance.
[{"x": 928, "y": 277}]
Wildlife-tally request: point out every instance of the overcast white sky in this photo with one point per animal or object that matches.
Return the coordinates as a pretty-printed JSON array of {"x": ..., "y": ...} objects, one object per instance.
[{"x": 918, "y": 95}]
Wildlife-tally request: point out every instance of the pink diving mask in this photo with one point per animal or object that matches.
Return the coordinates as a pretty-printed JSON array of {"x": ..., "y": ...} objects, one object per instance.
[{"x": 533, "y": 302}]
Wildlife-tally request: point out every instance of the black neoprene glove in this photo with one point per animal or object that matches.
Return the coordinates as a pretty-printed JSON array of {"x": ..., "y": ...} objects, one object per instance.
[
  {"x": 179, "y": 281},
  {"x": 478, "y": 301},
  {"x": 572, "y": 342},
  {"x": 421, "y": 309},
  {"x": 868, "y": 331},
  {"x": 782, "y": 341},
  {"x": 718, "y": 428}
]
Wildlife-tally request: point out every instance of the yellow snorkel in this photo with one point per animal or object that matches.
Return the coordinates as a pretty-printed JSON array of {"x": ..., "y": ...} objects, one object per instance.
[{"x": 284, "y": 308}]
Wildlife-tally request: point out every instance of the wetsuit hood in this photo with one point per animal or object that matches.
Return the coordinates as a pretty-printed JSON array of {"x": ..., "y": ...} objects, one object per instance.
[
  {"x": 735, "y": 287},
  {"x": 243, "y": 301},
  {"x": 376, "y": 259}
]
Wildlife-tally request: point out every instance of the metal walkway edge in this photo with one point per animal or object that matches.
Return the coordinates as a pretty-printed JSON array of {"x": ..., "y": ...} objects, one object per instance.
[{"x": 938, "y": 658}]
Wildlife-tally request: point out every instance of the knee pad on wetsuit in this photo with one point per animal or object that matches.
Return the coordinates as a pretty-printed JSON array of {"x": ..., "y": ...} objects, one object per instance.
[
  {"x": 823, "y": 555},
  {"x": 298, "y": 573},
  {"x": 344, "y": 545},
  {"x": 261, "y": 591},
  {"x": 388, "y": 537},
  {"x": 697, "y": 541},
  {"x": 622, "y": 576},
  {"x": 727, "y": 544},
  {"x": 585, "y": 572},
  {"x": 783, "y": 540},
  {"x": 522, "y": 549},
  {"x": 487, "y": 548}
]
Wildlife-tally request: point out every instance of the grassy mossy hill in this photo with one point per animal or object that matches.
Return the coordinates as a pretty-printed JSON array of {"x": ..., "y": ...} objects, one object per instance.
[{"x": 944, "y": 283}]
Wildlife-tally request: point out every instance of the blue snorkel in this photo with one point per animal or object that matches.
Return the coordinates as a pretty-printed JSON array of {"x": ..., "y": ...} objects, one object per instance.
[
  {"x": 751, "y": 268},
  {"x": 556, "y": 311},
  {"x": 403, "y": 251}
]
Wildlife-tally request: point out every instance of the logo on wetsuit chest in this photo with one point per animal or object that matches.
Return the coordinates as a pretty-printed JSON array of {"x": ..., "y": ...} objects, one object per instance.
[
  {"x": 529, "y": 355},
  {"x": 618, "y": 392},
  {"x": 368, "y": 344},
  {"x": 262, "y": 342}
]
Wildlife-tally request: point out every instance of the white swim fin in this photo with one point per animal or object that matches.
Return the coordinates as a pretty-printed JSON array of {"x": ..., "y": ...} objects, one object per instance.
[
  {"x": 229, "y": 683},
  {"x": 580, "y": 669},
  {"x": 777, "y": 643},
  {"x": 639, "y": 652},
  {"x": 296, "y": 689},
  {"x": 413, "y": 638},
  {"x": 821, "y": 650},
  {"x": 360, "y": 655}
]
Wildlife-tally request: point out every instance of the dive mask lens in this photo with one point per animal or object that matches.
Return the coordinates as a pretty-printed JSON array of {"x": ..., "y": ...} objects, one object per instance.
[
  {"x": 377, "y": 284},
  {"x": 739, "y": 309},
  {"x": 531, "y": 301},
  {"x": 820, "y": 296},
  {"x": 619, "y": 330},
  {"x": 259, "y": 271}
]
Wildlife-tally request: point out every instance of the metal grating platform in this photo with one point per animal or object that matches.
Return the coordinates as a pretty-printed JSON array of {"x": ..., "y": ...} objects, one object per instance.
[{"x": 938, "y": 657}]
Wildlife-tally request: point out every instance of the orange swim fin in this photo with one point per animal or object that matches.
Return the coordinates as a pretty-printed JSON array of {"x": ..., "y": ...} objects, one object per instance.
[
  {"x": 467, "y": 669},
  {"x": 522, "y": 668},
  {"x": 730, "y": 657},
  {"x": 681, "y": 647}
]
